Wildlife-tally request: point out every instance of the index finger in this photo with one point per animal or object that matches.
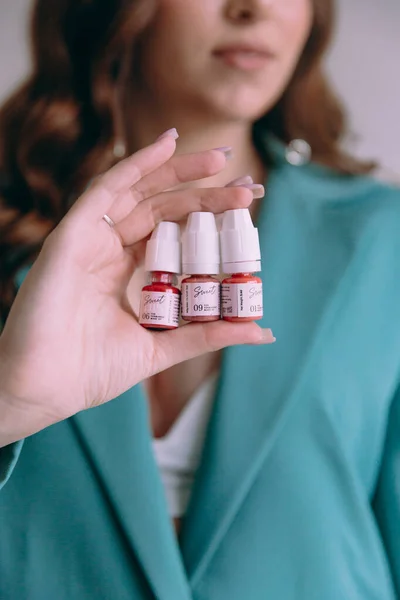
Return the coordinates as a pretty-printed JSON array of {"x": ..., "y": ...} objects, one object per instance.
[
  {"x": 129, "y": 171},
  {"x": 99, "y": 198}
]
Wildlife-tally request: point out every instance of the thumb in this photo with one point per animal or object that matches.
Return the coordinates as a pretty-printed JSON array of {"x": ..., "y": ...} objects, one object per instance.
[{"x": 172, "y": 347}]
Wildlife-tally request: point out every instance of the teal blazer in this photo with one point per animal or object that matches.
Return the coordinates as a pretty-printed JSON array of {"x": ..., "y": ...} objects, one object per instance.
[{"x": 298, "y": 492}]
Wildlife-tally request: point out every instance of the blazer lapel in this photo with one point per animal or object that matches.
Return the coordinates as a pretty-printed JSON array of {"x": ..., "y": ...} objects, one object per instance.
[
  {"x": 116, "y": 440},
  {"x": 260, "y": 386}
]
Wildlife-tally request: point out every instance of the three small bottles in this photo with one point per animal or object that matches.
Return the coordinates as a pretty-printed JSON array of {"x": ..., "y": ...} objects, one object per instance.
[{"x": 204, "y": 299}]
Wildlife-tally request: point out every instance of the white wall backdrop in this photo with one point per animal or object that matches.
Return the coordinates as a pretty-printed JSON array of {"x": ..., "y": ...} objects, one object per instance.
[
  {"x": 14, "y": 59},
  {"x": 364, "y": 64}
]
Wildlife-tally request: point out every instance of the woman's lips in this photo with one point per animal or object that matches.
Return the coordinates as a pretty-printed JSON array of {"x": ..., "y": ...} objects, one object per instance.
[{"x": 246, "y": 59}]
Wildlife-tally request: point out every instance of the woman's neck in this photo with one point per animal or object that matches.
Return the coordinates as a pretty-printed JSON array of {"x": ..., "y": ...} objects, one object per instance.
[{"x": 201, "y": 132}]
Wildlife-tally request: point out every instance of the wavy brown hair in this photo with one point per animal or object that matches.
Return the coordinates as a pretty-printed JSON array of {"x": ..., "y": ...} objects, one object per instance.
[{"x": 59, "y": 129}]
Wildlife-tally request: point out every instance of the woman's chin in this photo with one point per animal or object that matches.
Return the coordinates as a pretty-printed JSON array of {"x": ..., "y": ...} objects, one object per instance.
[
  {"x": 240, "y": 106},
  {"x": 231, "y": 112}
]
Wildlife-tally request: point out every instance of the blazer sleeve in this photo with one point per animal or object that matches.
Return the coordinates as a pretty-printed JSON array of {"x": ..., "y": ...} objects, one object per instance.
[
  {"x": 8, "y": 459},
  {"x": 387, "y": 497},
  {"x": 9, "y": 454}
]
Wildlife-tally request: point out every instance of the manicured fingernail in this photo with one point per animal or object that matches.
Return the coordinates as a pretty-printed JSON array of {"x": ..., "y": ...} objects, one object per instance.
[
  {"x": 240, "y": 181},
  {"x": 257, "y": 189},
  {"x": 266, "y": 337},
  {"x": 227, "y": 150},
  {"x": 169, "y": 133}
]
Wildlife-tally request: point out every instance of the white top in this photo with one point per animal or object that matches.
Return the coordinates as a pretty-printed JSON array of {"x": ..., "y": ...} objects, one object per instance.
[{"x": 178, "y": 453}]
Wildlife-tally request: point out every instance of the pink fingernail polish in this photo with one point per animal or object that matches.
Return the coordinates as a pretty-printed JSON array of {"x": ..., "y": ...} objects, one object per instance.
[
  {"x": 257, "y": 189},
  {"x": 169, "y": 133},
  {"x": 227, "y": 150},
  {"x": 246, "y": 179},
  {"x": 267, "y": 336}
]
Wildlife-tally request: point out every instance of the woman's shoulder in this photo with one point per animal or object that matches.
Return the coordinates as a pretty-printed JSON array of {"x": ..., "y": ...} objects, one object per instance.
[
  {"x": 358, "y": 211},
  {"x": 326, "y": 189},
  {"x": 321, "y": 186}
]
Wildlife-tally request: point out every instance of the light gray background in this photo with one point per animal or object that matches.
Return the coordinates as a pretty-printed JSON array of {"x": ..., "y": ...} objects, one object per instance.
[{"x": 364, "y": 64}]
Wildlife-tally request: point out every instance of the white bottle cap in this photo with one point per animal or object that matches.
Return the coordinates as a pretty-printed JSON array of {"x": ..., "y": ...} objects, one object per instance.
[
  {"x": 163, "y": 250},
  {"x": 240, "y": 245},
  {"x": 200, "y": 245}
]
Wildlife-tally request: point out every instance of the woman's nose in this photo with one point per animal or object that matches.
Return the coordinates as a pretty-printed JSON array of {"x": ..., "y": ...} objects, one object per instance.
[{"x": 248, "y": 11}]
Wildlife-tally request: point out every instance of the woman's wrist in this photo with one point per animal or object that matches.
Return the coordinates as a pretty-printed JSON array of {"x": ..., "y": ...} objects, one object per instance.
[
  {"x": 18, "y": 417},
  {"x": 10, "y": 425}
]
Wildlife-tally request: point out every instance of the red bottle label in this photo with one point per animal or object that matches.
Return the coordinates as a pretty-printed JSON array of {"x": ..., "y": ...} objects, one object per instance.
[
  {"x": 201, "y": 299},
  {"x": 242, "y": 300},
  {"x": 159, "y": 308}
]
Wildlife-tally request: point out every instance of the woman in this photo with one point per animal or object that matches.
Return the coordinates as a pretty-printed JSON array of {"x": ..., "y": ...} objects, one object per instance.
[{"x": 284, "y": 482}]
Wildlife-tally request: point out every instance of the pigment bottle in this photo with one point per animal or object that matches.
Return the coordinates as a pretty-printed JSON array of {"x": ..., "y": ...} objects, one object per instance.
[
  {"x": 242, "y": 298},
  {"x": 200, "y": 259},
  {"x": 160, "y": 299}
]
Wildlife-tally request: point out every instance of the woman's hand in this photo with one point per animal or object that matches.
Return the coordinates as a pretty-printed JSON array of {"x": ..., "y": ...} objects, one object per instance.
[{"x": 71, "y": 340}]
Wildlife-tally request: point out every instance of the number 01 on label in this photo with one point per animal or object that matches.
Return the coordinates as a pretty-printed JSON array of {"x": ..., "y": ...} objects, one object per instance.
[{"x": 242, "y": 301}]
